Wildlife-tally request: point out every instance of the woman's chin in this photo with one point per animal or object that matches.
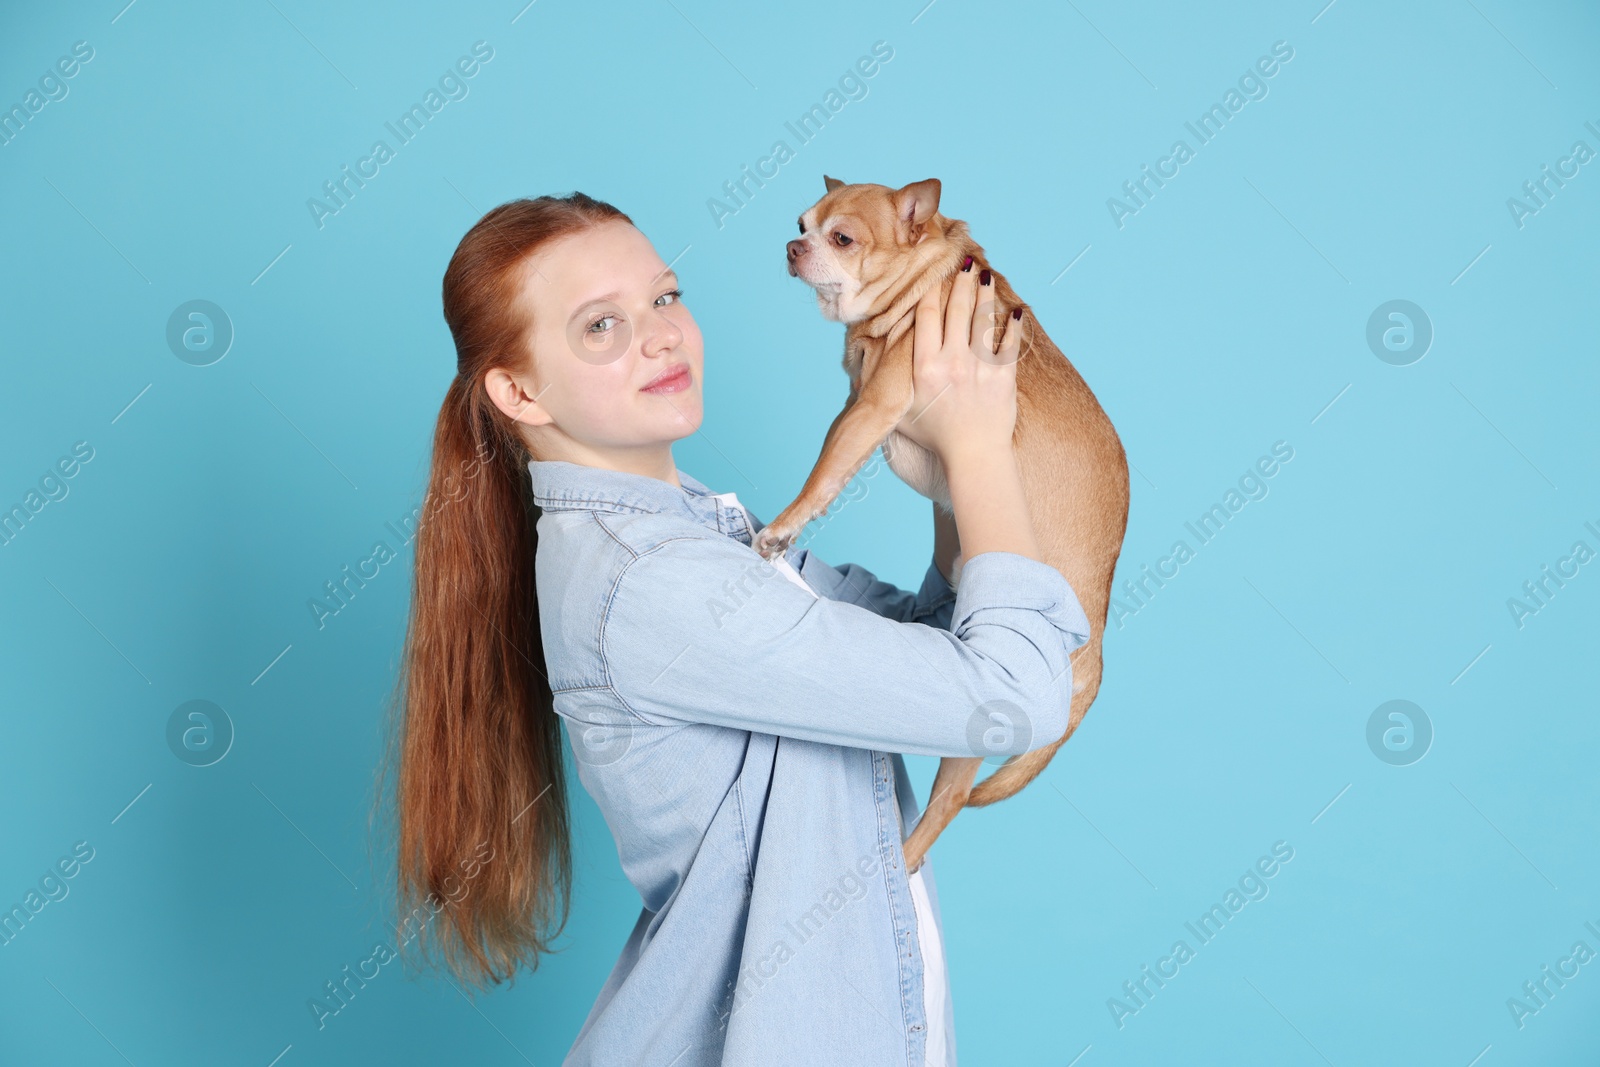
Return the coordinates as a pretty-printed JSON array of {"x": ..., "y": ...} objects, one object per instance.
[{"x": 684, "y": 416}]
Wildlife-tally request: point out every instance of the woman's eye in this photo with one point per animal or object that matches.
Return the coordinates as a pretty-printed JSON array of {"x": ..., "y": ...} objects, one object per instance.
[
  {"x": 598, "y": 321},
  {"x": 840, "y": 239},
  {"x": 676, "y": 294}
]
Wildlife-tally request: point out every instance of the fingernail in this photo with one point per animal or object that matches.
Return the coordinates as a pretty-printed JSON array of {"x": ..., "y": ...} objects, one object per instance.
[
  {"x": 966, "y": 264},
  {"x": 1016, "y": 313},
  {"x": 984, "y": 276}
]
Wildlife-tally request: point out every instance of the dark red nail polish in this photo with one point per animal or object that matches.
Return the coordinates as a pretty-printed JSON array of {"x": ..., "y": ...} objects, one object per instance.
[
  {"x": 1016, "y": 313},
  {"x": 984, "y": 276},
  {"x": 966, "y": 264}
]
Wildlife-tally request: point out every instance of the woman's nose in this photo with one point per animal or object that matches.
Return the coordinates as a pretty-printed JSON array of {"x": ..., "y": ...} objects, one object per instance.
[{"x": 662, "y": 333}]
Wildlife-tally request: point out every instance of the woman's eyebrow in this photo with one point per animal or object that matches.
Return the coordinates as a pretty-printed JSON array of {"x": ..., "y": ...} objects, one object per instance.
[{"x": 615, "y": 295}]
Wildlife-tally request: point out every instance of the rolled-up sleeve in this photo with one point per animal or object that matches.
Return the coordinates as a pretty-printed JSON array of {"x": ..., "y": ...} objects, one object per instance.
[{"x": 705, "y": 630}]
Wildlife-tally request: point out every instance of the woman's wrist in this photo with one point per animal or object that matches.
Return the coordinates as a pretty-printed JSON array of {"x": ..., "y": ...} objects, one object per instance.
[
  {"x": 974, "y": 463},
  {"x": 991, "y": 509}
]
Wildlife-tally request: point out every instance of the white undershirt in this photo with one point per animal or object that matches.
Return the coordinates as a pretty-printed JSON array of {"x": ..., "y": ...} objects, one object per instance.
[{"x": 933, "y": 969}]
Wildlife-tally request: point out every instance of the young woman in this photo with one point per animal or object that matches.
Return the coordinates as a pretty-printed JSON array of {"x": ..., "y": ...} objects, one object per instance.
[{"x": 739, "y": 723}]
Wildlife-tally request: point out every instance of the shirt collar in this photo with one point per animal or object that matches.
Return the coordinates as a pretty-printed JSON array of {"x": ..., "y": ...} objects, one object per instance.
[{"x": 559, "y": 485}]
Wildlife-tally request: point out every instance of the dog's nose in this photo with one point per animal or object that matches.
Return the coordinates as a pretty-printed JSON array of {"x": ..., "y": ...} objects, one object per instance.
[{"x": 796, "y": 250}]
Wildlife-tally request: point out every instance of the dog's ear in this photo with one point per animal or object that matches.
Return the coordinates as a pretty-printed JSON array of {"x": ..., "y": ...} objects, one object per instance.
[
  {"x": 831, "y": 183},
  {"x": 917, "y": 202}
]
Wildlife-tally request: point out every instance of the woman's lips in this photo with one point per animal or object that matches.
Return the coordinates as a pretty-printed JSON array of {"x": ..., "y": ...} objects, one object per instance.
[{"x": 671, "y": 381}]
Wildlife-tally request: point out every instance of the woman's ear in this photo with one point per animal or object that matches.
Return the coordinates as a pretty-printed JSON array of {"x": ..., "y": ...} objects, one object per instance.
[{"x": 514, "y": 394}]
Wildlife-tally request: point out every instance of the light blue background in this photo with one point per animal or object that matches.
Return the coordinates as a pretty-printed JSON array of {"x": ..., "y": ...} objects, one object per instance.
[{"x": 1226, "y": 315}]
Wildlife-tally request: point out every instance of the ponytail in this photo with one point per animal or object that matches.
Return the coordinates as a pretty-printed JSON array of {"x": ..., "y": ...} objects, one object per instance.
[{"x": 484, "y": 869}]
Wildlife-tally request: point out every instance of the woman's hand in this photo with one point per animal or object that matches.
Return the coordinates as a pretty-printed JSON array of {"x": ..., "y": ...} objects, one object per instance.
[{"x": 965, "y": 384}]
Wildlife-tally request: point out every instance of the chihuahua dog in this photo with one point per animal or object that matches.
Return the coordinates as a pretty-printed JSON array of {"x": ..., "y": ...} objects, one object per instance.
[{"x": 871, "y": 252}]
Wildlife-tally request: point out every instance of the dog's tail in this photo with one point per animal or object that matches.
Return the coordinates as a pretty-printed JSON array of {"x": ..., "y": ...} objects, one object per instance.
[{"x": 1018, "y": 771}]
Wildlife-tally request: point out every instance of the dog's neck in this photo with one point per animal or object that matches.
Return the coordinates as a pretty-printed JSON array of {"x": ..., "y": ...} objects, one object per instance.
[{"x": 934, "y": 267}]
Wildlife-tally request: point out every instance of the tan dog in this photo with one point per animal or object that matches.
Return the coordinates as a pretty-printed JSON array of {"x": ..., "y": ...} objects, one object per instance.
[{"x": 870, "y": 252}]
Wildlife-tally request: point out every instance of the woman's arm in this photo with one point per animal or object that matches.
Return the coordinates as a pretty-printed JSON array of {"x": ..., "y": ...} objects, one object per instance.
[
  {"x": 991, "y": 508},
  {"x": 702, "y": 629},
  {"x": 965, "y": 404}
]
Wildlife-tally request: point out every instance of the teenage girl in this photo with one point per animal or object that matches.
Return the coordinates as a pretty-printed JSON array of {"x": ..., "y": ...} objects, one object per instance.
[{"x": 738, "y": 722}]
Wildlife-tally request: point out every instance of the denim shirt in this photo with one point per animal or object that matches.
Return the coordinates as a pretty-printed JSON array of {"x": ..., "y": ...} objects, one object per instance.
[{"x": 742, "y": 739}]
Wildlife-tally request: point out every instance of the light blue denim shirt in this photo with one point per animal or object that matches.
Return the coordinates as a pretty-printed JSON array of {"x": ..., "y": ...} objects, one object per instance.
[{"x": 742, "y": 739}]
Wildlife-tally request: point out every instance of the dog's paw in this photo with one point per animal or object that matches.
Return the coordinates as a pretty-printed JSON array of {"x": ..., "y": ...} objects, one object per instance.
[{"x": 772, "y": 542}]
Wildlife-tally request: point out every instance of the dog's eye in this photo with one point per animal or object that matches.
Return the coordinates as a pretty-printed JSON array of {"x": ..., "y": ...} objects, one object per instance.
[
  {"x": 840, "y": 239},
  {"x": 802, "y": 224}
]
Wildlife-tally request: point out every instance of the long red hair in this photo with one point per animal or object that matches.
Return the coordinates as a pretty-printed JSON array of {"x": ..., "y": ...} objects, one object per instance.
[{"x": 479, "y": 798}]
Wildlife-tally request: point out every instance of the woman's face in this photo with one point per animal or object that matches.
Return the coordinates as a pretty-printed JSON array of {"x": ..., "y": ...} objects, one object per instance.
[{"x": 608, "y": 320}]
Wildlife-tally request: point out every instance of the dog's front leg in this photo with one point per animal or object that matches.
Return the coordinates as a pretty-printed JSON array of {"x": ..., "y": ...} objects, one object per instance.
[{"x": 860, "y": 428}]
